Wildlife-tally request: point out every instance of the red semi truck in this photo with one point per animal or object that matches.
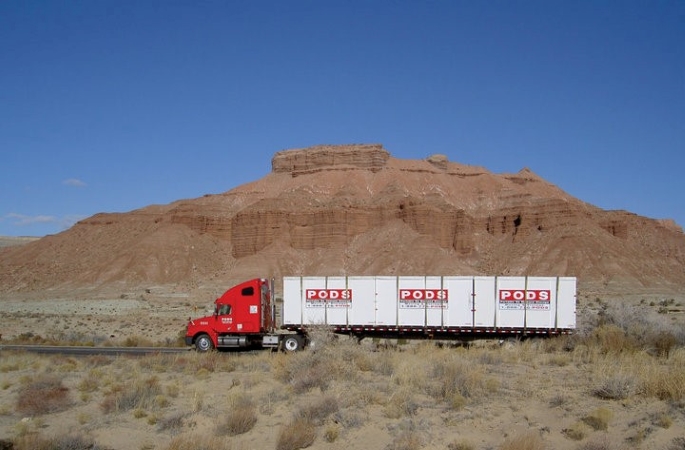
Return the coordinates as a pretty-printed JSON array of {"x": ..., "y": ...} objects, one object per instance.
[{"x": 437, "y": 307}]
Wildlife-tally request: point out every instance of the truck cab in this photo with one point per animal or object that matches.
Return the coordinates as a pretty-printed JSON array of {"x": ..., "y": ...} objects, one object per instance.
[{"x": 243, "y": 317}]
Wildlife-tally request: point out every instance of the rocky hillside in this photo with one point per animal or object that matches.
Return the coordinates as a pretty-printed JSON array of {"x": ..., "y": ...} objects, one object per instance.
[{"x": 354, "y": 209}]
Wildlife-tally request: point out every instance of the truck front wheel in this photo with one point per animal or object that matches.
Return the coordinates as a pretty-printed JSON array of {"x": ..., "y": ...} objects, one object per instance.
[
  {"x": 293, "y": 343},
  {"x": 204, "y": 343}
]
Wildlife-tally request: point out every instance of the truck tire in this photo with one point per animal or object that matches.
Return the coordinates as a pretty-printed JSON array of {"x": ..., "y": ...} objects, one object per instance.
[
  {"x": 204, "y": 343},
  {"x": 293, "y": 343}
]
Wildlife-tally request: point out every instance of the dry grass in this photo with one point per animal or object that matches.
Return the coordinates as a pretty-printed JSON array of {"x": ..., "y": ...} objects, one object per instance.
[
  {"x": 406, "y": 440},
  {"x": 141, "y": 394},
  {"x": 318, "y": 410},
  {"x": 616, "y": 387},
  {"x": 43, "y": 395},
  {"x": 597, "y": 443},
  {"x": 457, "y": 378},
  {"x": 460, "y": 445},
  {"x": 241, "y": 418},
  {"x": 599, "y": 419},
  {"x": 577, "y": 431},
  {"x": 60, "y": 442},
  {"x": 298, "y": 433},
  {"x": 198, "y": 442},
  {"x": 526, "y": 441}
]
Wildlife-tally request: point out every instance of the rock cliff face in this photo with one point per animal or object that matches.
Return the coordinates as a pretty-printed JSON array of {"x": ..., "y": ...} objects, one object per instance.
[
  {"x": 356, "y": 210},
  {"x": 371, "y": 157}
]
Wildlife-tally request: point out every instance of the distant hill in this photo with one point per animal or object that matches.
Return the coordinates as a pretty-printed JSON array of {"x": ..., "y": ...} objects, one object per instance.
[
  {"x": 9, "y": 241},
  {"x": 356, "y": 210}
]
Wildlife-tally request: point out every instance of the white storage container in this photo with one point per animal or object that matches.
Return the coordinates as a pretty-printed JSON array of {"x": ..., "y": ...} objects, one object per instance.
[{"x": 443, "y": 303}]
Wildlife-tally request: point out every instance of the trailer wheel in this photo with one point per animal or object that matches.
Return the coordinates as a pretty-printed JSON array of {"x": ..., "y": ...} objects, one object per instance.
[
  {"x": 203, "y": 343},
  {"x": 293, "y": 343}
]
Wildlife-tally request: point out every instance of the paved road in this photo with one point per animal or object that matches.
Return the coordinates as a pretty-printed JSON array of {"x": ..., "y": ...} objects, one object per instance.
[{"x": 73, "y": 350}]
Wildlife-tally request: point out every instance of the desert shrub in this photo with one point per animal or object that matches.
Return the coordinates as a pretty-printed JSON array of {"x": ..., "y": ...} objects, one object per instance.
[
  {"x": 28, "y": 338},
  {"x": 299, "y": 433},
  {"x": 213, "y": 362},
  {"x": 642, "y": 329},
  {"x": 456, "y": 401},
  {"x": 15, "y": 361},
  {"x": 612, "y": 339},
  {"x": 331, "y": 433},
  {"x": 137, "y": 341},
  {"x": 459, "y": 379},
  {"x": 61, "y": 363},
  {"x": 598, "y": 419},
  {"x": 616, "y": 387},
  {"x": 558, "y": 400},
  {"x": 409, "y": 374},
  {"x": 401, "y": 404},
  {"x": 317, "y": 411},
  {"x": 173, "y": 422},
  {"x": 240, "y": 419},
  {"x": 173, "y": 390},
  {"x": 364, "y": 395},
  {"x": 663, "y": 382},
  {"x": 142, "y": 394},
  {"x": 526, "y": 441},
  {"x": 562, "y": 343},
  {"x": 98, "y": 360},
  {"x": 91, "y": 382},
  {"x": 677, "y": 444},
  {"x": 577, "y": 431},
  {"x": 638, "y": 435},
  {"x": 662, "y": 420},
  {"x": 460, "y": 445},
  {"x": 362, "y": 360},
  {"x": 35, "y": 441},
  {"x": 662, "y": 343},
  {"x": 161, "y": 401},
  {"x": 321, "y": 337},
  {"x": 406, "y": 440},
  {"x": 74, "y": 338},
  {"x": 44, "y": 395},
  {"x": 490, "y": 357},
  {"x": 316, "y": 367},
  {"x": 198, "y": 442},
  {"x": 558, "y": 359},
  {"x": 350, "y": 418},
  {"x": 597, "y": 443},
  {"x": 384, "y": 362},
  {"x": 316, "y": 375}
]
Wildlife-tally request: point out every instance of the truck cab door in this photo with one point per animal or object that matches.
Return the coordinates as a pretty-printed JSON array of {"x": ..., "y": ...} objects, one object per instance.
[{"x": 224, "y": 319}]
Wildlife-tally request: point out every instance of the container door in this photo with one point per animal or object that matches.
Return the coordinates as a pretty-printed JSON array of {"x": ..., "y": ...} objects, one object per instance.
[
  {"x": 436, "y": 301},
  {"x": 338, "y": 301},
  {"x": 363, "y": 309},
  {"x": 460, "y": 308},
  {"x": 386, "y": 301},
  {"x": 541, "y": 302},
  {"x": 484, "y": 302},
  {"x": 293, "y": 301},
  {"x": 316, "y": 295},
  {"x": 566, "y": 303},
  {"x": 412, "y": 304},
  {"x": 511, "y": 302}
]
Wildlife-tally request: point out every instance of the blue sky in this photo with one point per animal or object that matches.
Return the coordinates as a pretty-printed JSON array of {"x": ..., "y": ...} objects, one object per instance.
[{"x": 113, "y": 105}]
